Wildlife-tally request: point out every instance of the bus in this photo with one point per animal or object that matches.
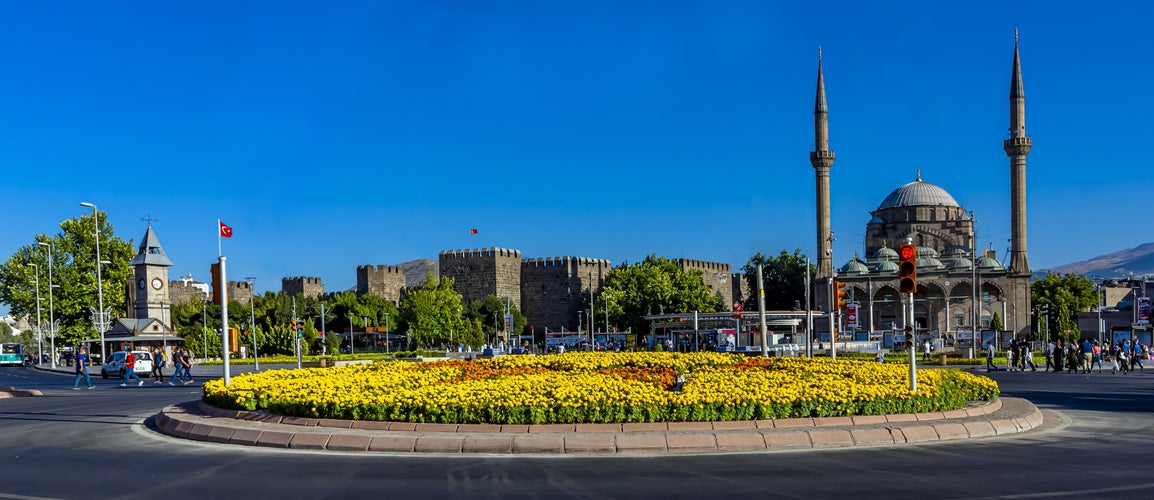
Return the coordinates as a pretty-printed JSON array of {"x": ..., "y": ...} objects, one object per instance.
[{"x": 12, "y": 354}]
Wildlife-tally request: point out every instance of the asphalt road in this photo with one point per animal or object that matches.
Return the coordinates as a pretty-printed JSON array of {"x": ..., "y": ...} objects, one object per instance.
[{"x": 77, "y": 444}]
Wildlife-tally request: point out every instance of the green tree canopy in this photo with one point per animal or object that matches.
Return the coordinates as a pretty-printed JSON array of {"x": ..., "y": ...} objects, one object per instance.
[
  {"x": 74, "y": 272},
  {"x": 1067, "y": 294},
  {"x": 430, "y": 312},
  {"x": 656, "y": 284},
  {"x": 783, "y": 277}
]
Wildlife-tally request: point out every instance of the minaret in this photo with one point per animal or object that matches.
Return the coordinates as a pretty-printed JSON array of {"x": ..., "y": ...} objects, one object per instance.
[
  {"x": 1017, "y": 147},
  {"x": 822, "y": 159}
]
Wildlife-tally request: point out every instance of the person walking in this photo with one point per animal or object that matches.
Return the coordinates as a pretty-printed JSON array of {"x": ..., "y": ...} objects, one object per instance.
[
  {"x": 81, "y": 370},
  {"x": 186, "y": 362},
  {"x": 177, "y": 367},
  {"x": 130, "y": 369},
  {"x": 158, "y": 362},
  {"x": 1136, "y": 357},
  {"x": 1049, "y": 350},
  {"x": 1028, "y": 357},
  {"x": 1096, "y": 356},
  {"x": 990, "y": 367},
  {"x": 926, "y": 350}
]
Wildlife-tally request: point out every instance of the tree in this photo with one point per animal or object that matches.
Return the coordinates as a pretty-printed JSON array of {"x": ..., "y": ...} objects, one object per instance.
[
  {"x": 653, "y": 285},
  {"x": 489, "y": 313},
  {"x": 783, "y": 278},
  {"x": 996, "y": 323},
  {"x": 429, "y": 312},
  {"x": 74, "y": 271},
  {"x": 1066, "y": 295}
]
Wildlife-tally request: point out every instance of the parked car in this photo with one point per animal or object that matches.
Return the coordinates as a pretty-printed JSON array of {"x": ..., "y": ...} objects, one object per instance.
[{"x": 115, "y": 365}]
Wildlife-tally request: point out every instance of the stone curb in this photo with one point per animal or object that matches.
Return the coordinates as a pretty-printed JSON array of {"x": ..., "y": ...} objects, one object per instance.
[
  {"x": 12, "y": 392},
  {"x": 202, "y": 422}
]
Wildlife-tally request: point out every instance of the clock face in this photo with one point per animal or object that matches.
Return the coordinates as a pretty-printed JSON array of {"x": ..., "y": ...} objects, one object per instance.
[
  {"x": 140, "y": 283},
  {"x": 157, "y": 283}
]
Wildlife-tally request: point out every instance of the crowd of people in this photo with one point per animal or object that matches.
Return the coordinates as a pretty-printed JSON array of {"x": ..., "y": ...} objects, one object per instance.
[{"x": 1074, "y": 357}]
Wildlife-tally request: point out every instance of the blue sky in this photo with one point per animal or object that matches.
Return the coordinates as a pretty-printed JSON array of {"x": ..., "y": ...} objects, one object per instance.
[{"x": 335, "y": 134}]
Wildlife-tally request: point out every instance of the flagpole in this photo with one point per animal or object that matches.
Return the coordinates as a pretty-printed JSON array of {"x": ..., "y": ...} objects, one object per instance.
[{"x": 224, "y": 340}]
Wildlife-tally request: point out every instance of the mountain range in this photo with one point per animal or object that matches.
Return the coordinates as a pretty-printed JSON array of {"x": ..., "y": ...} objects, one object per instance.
[{"x": 1136, "y": 261}]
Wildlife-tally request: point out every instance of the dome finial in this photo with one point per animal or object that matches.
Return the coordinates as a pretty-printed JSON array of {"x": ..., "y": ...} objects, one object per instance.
[{"x": 919, "y": 179}]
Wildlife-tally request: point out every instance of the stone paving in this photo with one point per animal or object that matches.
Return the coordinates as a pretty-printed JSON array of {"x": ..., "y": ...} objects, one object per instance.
[{"x": 202, "y": 422}]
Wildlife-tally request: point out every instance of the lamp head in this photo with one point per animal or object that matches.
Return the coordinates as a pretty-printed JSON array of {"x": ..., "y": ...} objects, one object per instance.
[{"x": 86, "y": 204}]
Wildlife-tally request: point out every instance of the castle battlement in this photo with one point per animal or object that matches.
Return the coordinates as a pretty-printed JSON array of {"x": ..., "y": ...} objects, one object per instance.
[
  {"x": 382, "y": 268},
  {"x": 565, "y": 261},
  {"x": 479, "y": 252},
  {"x": 386, "y": 282},
  {"x": 703, "y": 265},
  {"x": 302, "y": 285},
  {"x": 307, "y": 280}
]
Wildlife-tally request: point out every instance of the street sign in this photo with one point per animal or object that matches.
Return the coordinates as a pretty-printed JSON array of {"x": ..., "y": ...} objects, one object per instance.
[{"x": 851, "y": 315}]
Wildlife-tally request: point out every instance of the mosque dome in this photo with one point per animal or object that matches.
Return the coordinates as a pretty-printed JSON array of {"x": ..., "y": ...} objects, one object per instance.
[
  {"x": 887, "y": 266},
  {"x": 854, "y": 267},
  {"x": 918, "y": 193},
  {"x": 987, "y": 264},
  {"x": 886, "y": 253}
]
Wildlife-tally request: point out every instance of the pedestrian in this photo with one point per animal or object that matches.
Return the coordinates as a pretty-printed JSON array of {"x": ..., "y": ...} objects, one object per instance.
[
  {"x": 186, "y": 362},
  {"x": 1010, "y": 357},
  {"x": 1096, "y": 356},
  {"x": 81, "y": 370},
  {"x": 1120, "y": 356},
  {"x": 880, "y": 356},
  {"x": 926, "y": 350},
  {"x": 158, "y": 365},
  {"x": 1049, "y": 350},
  {"x": 177, "y": 367},
  {"x": 1028, "y": 357},
  {"x": 990, "y": 367},
  {"x": 1136, "y": 357},
  {"x": 130, "y": 369}
]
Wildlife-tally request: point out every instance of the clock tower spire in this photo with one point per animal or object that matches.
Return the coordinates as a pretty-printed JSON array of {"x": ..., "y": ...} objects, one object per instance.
[{"x": 150, "y": 280}]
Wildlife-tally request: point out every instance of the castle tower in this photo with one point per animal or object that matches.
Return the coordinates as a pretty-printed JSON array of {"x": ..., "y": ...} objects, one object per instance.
[
  {"x": 822, "y": 159},
  {"x": 151, "y": 298},
  {"x": 1017, "y": 146}
]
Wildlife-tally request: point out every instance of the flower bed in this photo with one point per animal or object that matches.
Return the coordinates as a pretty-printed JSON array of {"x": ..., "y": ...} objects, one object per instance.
[{"x": 600, "y": 387}]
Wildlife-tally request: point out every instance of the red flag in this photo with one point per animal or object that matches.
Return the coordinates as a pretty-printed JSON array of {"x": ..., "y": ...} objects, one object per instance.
[
  {"x": 472, "y": 231},
  {"x": 225, "y": 231}
]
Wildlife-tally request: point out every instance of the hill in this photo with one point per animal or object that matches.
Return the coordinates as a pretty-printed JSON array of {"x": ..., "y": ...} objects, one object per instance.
[
  {"x": 1137, "y": 261},
  {"x": 415, "y": 271}
]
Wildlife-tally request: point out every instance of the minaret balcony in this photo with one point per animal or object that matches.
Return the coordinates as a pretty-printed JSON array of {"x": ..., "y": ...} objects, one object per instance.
[
  {"x": 821, "y": 159},
  {"x": 1017, "y": 146}
]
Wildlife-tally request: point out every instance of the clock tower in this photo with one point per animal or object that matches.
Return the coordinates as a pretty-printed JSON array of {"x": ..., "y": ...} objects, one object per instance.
[{"x": 150, "y": 280}]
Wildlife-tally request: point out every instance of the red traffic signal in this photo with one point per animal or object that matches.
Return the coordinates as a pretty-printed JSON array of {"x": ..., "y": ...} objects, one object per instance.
[{"x": 908, "y": 268}]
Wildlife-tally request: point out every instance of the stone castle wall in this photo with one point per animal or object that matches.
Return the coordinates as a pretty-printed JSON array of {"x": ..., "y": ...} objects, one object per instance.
[
  {"x": 180, "y": 292},
  {"x": 479, "y": 273},
  {"x": 386, "y": 282},
  {"x": 717, "y": 276},
  {"x": 303, "y": 285},
  {"x": 554, "y": 289},
  {"x": 239, "y": 291}
]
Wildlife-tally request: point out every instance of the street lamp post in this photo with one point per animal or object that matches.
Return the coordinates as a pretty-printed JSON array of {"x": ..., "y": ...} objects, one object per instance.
[
  {"x": 387, "y": 333},
  {"x": 39, "y": 326},
  {"x": 252, "y": 321},
  {"x": 51, "y": 306},
  {"x": 99, "y": 283}
]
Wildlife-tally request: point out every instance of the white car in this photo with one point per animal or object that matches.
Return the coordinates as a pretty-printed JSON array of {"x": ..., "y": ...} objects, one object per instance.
[{"x": 115, "y": 364}]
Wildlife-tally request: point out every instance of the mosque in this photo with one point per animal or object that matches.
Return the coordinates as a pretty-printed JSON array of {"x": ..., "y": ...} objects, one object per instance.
[{"x": 947, "y": 303}]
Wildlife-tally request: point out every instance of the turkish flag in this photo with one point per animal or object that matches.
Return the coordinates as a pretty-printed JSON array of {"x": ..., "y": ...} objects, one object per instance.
[
  {"x": 472, "y": 231},
  {"x": 225, "y": 231}
]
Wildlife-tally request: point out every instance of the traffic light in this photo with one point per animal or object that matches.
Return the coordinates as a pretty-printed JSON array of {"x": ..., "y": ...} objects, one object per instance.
[
  {"x": 296, "y": 326},
  {"x": 907, "y": 268},
  {"x": 839, "y": 295}
]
